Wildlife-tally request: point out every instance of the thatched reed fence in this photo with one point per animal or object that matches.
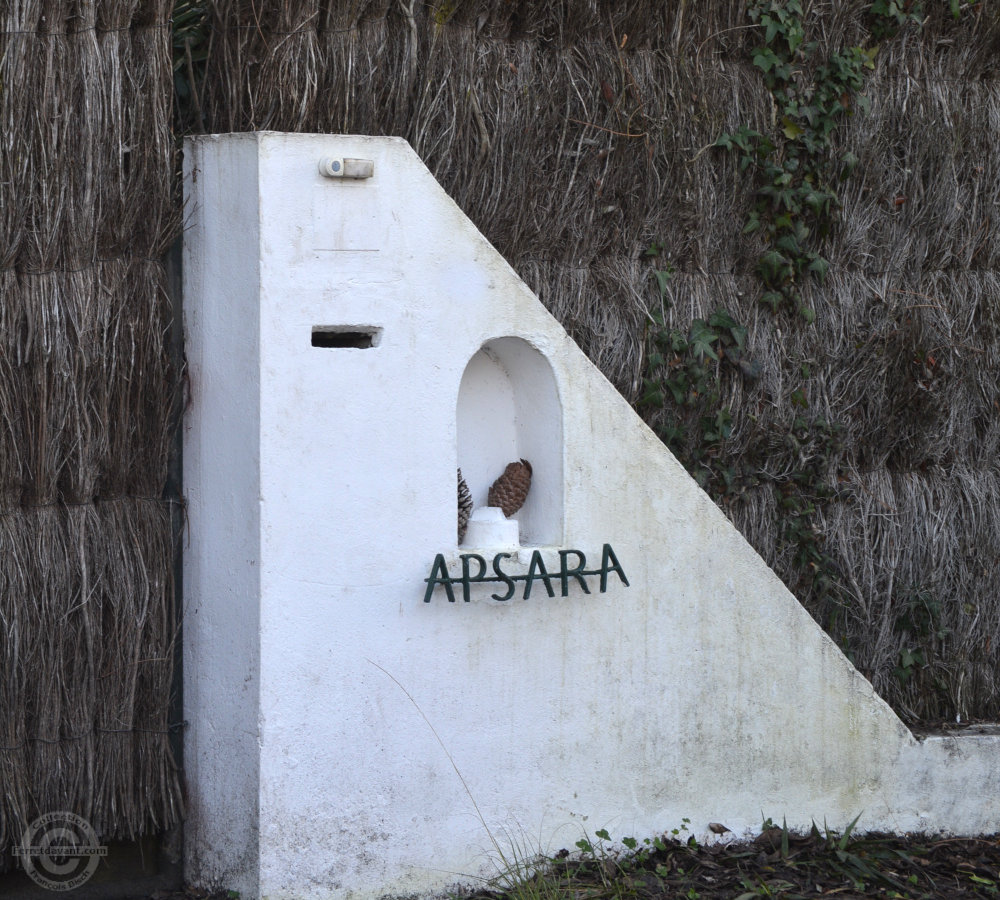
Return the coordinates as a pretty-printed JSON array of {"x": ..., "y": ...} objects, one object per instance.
[
  {"x": 87, "y": 389},
  {"x": 575, "y": 135}
]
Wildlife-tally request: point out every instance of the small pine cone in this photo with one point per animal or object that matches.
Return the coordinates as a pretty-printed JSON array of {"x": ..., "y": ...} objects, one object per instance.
[
  {"x": 464, "y": 506},
  {"x": 510, "y": 489}
]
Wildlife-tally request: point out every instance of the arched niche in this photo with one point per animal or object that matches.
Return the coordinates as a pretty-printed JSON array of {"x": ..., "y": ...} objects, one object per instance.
[{"x": 509, "y": 408}]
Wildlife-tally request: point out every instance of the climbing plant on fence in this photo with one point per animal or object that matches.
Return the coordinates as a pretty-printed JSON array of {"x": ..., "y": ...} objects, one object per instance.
[{"x": 798, "y": 173}]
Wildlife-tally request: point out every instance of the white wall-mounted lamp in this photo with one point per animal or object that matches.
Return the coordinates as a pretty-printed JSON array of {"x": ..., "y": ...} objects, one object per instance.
[{"x": 344, "y": 167}]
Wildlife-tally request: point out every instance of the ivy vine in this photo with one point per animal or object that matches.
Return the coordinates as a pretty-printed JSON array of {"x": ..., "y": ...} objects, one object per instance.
[
  {"x": 793, "y": 211},
  {"x": 683, "y": 385},
  {"x": 796, "y": 204}
]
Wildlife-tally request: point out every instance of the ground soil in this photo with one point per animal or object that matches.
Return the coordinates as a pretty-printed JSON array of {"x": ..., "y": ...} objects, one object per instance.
[
  {"x": 776, "y": 864},
  {"x": 781, "y": 865}
]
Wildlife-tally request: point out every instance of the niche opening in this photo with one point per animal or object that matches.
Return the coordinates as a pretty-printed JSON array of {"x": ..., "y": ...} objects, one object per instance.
[{"x": 509, "y": 409}]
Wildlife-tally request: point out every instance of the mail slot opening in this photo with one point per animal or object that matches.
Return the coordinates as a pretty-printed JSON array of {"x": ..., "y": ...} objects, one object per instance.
[{"x": 340, "y": 337}]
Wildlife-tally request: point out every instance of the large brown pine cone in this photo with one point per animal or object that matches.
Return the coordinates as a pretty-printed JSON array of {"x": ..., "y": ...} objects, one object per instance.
[{"x": 510, "y": 489}]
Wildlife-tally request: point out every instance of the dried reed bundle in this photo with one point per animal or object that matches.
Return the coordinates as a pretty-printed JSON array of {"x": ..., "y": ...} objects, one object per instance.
[
  {"x": 86, "y": 648},
  {"x": 925, "y": 540},
  {"x": 85, "y": 384},
  {"x": 88, "y": 161},
  {"x": 87, "y": 619}
]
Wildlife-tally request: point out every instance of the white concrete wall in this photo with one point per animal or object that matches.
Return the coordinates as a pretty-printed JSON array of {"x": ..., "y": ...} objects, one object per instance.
[
  {"x": 321, "y": 485},
  {"x": 222, "y": 551}
]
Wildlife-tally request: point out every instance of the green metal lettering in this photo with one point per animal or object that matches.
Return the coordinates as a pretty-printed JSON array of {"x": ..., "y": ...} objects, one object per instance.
[
  {"x": 434, "y": 579},
  {"x": 502, "y": 576},
  {"x": 565, "y": 572},
  {"x": 609, "y": 563},
  {"x": 466, "y": 578},
  {"x": 529, "y": 579}
]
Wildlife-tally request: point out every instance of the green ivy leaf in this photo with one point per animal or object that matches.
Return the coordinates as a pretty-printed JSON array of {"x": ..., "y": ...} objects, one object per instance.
[
  {"x": 653, "y": 397},
  {"x": 750, "y": 369},
  {"x": 817, "y": 202},
  {"x": 771, "y": 28},
  {"x": 789, "y": 244},
  {"x": 662, "y": 277},
  {"x": 773, "y": 268},
  {"x": 678, "y": 391},
  {"x": 702, "y": 339},
  {"x": 819, "y": 267},
  {"x": 795, "y": 37},
  {"x": 721, "y": 319},
  {"x": 765, "y": 59},
  {"x": 723, "y": 423},
  {"x": 772, "y": 299}
]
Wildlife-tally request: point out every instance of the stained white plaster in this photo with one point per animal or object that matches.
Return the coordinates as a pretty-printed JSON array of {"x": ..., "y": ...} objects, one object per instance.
[{"x": 329, "y": 706}]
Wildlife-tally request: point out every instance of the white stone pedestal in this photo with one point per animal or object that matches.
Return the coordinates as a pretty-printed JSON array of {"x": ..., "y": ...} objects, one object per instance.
[{"x": 490, "y": 529}]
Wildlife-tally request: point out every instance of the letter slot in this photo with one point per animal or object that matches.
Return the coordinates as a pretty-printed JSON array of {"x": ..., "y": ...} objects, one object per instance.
[{"x": 346, "y": 337}]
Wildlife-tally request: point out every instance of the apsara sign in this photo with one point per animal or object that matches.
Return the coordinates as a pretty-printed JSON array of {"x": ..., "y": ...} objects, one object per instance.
[{"x": 572, "y": 569}]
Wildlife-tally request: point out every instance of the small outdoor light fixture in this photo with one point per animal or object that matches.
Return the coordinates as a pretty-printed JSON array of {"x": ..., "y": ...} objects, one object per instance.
[{"x": 344, "y": 167}]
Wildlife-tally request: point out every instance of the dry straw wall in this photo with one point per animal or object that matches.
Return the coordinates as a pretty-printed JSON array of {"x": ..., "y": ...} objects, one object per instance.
[
  {"x": 576, "y": 135},
  {"x": 86, "y": 390}
]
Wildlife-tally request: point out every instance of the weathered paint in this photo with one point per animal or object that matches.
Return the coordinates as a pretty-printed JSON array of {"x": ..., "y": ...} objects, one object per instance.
[{"x": 330, "y": 707}]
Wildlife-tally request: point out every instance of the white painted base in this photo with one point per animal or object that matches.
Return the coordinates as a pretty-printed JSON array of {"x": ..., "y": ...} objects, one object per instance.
[
  {"x": 331, "y": 709},
  {"x": 489, "y": 529}
]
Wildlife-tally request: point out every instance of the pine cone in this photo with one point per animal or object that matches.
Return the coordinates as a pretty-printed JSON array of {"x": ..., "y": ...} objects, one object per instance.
[
  {"x": 510, "y": 489},
  {"x": 464, "y": 506}
]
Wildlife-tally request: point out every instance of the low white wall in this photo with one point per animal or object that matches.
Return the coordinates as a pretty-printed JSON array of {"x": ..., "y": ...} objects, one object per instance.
[{"x": 330, "y": 705}]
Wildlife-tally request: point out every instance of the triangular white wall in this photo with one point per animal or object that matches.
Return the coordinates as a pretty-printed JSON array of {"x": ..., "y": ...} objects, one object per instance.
[{"x": 321, "y": 486}]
